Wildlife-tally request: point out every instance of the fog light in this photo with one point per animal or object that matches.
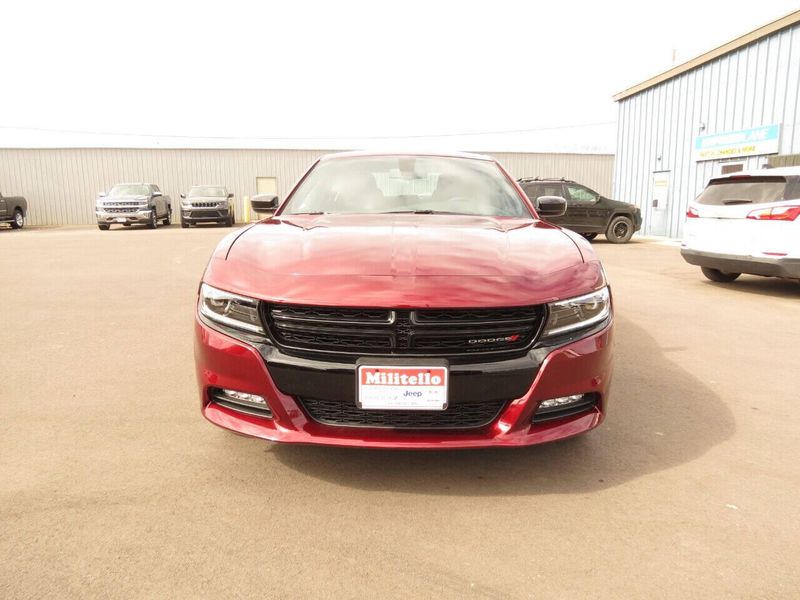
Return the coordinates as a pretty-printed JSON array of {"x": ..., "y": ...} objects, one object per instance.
[
  {"x": 564, "y": 406},
  {"x": 245, "y": 397},
  {"x": 244, "y": 402},
  {"x": 561, "y": 402}
]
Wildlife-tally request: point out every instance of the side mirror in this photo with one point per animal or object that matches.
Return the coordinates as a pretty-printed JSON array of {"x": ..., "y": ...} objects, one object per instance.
[
  {"x": 183, "y": 196},
  {"x": 264, "y": 203},
  {"x": 551, "y": 206},
  {"x": 156, "y": 194},
  {"x": 230, "y": 196},
  {"x": 101, "y": 194}
]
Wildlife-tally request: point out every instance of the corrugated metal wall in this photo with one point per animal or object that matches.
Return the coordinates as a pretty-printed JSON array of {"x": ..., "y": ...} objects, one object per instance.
[
  {"x": 61, "y": 185},
  {"x": 758, "y": 84}
]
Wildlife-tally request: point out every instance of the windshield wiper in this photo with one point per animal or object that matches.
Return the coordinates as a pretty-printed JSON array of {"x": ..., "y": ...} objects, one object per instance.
[
  {"x": 729, "y": 202},
  {"x": 315, "y": 212}
]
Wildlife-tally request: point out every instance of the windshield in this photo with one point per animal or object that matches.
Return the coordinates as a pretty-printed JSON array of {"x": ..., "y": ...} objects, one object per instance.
[
  {"x": 130, "y": 189},
  {"x": 207, "y": 192},
  {"x": 743, "y": 190},
  {"x": 400, "y": 184}
]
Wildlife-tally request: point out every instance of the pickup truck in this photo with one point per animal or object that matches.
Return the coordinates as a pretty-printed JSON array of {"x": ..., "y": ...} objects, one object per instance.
[
  {"x": 133, "y": 203},
  {"x": 13, "y": 210}
]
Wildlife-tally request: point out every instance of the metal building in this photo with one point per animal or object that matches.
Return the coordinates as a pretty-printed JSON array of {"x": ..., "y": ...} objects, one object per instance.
[
  {"x": 61, "y": 185},
  {"x": 733, "y": 108}
]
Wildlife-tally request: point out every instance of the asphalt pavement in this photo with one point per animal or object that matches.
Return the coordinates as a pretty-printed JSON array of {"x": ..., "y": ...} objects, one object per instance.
[{"x": 112, "y": 484}]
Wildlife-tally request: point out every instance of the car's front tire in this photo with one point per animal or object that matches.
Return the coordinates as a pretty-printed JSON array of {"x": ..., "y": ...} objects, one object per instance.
[
  {"x": 589, "y": 236},
  {"x": 168, "y": 218},
  {"x": 18, "y": 222},
  {"x": 719, "y": 276},
  {"x": 103, "y": 227},
  {"x": 153, "y": 220},
  {"x": 620, "y": 230}
]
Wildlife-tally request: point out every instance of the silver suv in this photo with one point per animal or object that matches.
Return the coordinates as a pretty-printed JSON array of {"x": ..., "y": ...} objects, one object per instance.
[
  {"x": 207, "y": 204},
  {"x": 133, "y": 204}
]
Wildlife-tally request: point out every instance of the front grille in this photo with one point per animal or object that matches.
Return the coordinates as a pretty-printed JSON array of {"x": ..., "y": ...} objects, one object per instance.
[
  {"x": 116, "y": 209},
  {"x": 468, "y": 415},
  {"x": 205, "y": 204},
  {"x": 363, "y": 331}
]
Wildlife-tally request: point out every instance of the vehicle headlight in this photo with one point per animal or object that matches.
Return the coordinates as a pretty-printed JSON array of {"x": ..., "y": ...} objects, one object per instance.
[
  {"x": 577, "y": 313},
  {"x": 229, "y": 309}
]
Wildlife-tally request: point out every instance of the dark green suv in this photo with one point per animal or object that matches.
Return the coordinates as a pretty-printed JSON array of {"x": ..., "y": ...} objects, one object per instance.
[{"x": 588, "y": 212}]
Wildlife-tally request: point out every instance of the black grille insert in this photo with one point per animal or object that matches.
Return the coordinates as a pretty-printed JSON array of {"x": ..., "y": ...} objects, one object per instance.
[
  {"x": 466, "y": 415},
  {"x": 364, "y": 331}
]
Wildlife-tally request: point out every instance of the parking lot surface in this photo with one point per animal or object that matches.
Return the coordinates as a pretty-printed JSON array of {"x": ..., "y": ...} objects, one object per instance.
[{"x": 113, "y": 485}]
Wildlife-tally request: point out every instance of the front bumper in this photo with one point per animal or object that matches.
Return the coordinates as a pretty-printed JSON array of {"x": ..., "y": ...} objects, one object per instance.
[
  {"x": 136, "y": 216},
  {"x": 731, "y": 263},
  {"x": 204, "y": 215},
  {"x": 581, "y": 366}
]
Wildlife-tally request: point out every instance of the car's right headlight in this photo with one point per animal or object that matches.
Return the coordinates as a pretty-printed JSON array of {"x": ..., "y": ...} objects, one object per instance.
[
  {"x": 229, "y": 309},
  {"x": 577, "y": 313}
]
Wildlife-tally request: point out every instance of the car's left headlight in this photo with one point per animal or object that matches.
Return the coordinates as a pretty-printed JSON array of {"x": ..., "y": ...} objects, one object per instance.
[
  {"x": 577, "y": 313},
  {"x": 229, "y": 309}
]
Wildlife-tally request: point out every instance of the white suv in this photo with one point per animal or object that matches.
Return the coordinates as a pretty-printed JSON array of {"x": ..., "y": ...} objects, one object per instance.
[{"x": 747, "y": 222}]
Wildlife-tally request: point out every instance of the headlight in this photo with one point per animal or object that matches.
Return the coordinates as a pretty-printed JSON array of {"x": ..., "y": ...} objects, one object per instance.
[
  {"x": 577, "y": 313},
  {"x": 229, "y": 309}
]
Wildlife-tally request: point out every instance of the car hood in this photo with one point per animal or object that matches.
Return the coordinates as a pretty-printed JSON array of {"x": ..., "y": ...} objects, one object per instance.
[
  {"x": 206, "y": 199},
  {"x": 620, "y": 204},
  {"x": 118, "y": 198},
  {"x": 404, "y": 260}
]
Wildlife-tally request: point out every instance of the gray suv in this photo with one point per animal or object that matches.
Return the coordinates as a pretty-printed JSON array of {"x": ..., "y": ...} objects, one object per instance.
[
  {"x": 133, "y": 204},
  {"x": 207, "y": 204}
]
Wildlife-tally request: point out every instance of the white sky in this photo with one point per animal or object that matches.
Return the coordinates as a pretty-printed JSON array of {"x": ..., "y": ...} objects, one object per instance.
[{"x": 349, "y": 72}]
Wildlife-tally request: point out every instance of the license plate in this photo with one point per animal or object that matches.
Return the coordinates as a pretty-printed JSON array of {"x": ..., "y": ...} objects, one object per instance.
[
  {"x": 121, "y": 219},
  {"x": 402, "y": 387}
]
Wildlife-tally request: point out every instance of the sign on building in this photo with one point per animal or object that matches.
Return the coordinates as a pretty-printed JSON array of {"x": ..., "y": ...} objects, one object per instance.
[{"x": 745, "y": 142}]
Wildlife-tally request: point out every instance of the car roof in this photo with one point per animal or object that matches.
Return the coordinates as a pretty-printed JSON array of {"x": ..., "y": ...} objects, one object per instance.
[
  {"x": 445, "y": 154},
  {"x": 211, "y": 185},
  {"x": 779, "y": 171}
]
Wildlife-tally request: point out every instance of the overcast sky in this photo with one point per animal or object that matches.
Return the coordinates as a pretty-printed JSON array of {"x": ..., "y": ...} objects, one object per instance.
[{"x": 342, "y": 74}]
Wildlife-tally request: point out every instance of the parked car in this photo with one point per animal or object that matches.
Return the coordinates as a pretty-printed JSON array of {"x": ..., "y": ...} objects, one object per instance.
[
  {"x": 588, "y": 212},
  {"x": 746, "y": 222},
  {"x": 405, "y": 301},
  {"x": 13, "y": 210},
  {"x": 133, "y": 204},
  {"x": 207, "y": 204}
]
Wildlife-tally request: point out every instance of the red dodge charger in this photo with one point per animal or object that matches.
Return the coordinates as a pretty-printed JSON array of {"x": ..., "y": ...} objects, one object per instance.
[{"x": 405, "y": 301}]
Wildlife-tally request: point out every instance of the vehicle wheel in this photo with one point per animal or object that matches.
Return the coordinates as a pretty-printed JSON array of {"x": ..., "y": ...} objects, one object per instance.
[
  {"x": 168, "y": 218},
  {"x": 719, "y": 276},
  {"x": 230, "y": 220},
  {"x": 620, "y": 230},
  {"x": 589, "y": 236},
  {"x": 126, "y": 224},
  {"x": 19, "y": 220},
  {"x": 184, "y": 224},
  {"x": 102, "y": 227},
  {"x": 153, "y": 219}
]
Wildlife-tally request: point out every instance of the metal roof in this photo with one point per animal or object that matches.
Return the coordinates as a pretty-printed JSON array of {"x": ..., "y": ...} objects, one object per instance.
[{"x": 743, "y": 40}]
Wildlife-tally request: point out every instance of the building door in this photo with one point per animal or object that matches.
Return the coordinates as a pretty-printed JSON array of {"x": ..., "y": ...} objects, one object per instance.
[
  {"x": 266, "y": 185},
  {"x": 659, "y": 207}
]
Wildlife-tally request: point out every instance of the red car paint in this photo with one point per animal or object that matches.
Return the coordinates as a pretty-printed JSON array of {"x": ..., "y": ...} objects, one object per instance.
[{"x": 404, "y": 261}]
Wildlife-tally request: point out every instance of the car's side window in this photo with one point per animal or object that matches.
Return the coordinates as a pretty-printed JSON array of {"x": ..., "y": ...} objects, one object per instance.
[{"x": 580, "y": 195}]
